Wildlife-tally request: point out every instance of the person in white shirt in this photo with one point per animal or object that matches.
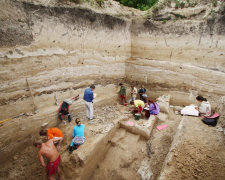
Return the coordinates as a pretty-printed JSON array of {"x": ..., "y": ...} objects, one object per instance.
[
  {"x": 205, "y": 107},
  {"x": 133, "y": 94}
]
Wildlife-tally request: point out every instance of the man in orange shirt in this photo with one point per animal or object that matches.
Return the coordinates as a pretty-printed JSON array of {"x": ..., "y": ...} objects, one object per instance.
[{"x": 53, "y": 133}]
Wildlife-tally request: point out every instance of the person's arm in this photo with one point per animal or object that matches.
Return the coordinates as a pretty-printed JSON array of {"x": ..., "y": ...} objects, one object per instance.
[
  {"x": 60, "y": 107},
  {"x": 50, "y": 135},
  {"x": 68, "y": 108},
  {"x": 91, "y": 96},
  {"x": 76, "y": 97},
  {"x": 151, "y": 107},
  {"x": 74, "y": 132},
  {"x": 55, "y": 139},
  {"x": 41, "y": 159},
  {"x": 140, "y": 91},
  {"x": 132, "y": 92},
  {"x": 135, "y": 91},
  {"x": 144, "y": 91}
]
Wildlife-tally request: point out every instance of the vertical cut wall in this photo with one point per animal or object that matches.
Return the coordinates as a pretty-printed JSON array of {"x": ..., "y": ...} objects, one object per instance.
[{"x": 186, "y": 56}]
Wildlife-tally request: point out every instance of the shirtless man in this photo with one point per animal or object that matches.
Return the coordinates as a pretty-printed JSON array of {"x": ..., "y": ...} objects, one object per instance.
[{"x": 49, "y": 151}]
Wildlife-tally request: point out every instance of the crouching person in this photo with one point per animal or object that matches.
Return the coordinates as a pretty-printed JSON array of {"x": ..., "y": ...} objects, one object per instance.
[
  {"x": 153, "y": 108},
  {"x": 64, "y": 108},
  {"x": 78, "y": 136},
  {"x": 53, "y": 133},
  {"x": 49, "y": 151},
  {"x": 138, "y": 106}
]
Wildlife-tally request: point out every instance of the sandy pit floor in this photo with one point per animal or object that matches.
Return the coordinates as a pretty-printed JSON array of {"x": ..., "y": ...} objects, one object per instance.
[
  {"x": 122, "y": 161},
  {"x": 160, "y": 142},
  {"x": 198, "y": 153},
  {"x": 130, "y": 156},
  {"x": 26, "y": 165}
]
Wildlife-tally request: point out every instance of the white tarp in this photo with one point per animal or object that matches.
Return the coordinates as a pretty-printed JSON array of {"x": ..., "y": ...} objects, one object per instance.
[{"x": 190, "y": 110}]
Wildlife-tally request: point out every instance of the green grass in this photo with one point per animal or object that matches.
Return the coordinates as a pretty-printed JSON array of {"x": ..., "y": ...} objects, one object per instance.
[{"x": 139, "y": 4}]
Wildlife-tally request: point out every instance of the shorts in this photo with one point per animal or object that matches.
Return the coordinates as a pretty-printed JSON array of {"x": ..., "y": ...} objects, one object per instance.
[{"x": 52, "y": 167}]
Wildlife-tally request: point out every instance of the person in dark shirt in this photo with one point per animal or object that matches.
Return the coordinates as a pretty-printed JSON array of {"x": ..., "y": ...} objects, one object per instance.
[
  {"x": 88, "y": 98},
  {"x": 142, "y": 93},
  {"x": 64, "y": 108}
]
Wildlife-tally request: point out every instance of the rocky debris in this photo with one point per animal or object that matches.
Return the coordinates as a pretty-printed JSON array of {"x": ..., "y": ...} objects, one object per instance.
[
  {"x": 44, "y": 125},
  {"x": 189, "y": 12},
  {"x": 163, "y": 102},
  {"x": 145, "y": 171},
  {"x": 162, "y": 17}
]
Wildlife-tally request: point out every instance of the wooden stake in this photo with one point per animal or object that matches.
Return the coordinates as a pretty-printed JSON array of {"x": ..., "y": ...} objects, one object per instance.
[{"x": 32, "y": 97}]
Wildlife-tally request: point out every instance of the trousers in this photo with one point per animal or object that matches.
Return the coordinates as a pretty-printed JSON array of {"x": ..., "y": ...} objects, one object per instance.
[{"x": 89, "y": 109}]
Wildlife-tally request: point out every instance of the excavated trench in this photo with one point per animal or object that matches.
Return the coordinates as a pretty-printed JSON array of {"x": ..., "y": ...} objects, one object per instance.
[
  {"x": 117, "y": 147},
  {"x": 50, "y": 51}
]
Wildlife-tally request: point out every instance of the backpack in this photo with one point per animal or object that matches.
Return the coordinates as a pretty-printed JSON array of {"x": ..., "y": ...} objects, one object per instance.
[{"x": 210, "y": 121}]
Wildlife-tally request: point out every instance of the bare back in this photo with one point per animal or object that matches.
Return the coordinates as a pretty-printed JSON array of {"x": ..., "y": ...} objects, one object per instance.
[{"x": 49, "y": 151}]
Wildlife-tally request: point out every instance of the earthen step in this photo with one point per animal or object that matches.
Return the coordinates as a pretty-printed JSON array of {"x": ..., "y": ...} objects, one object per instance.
[{"x": 197, "y": 152}]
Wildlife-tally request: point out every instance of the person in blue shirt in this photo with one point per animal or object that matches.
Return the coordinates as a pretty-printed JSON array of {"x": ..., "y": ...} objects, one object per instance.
[
  {"x": 78, "y": 135},
  {"x": 88, "y": 98}
]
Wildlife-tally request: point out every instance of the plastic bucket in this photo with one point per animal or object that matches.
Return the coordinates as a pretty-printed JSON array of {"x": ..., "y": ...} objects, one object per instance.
[{"x": 137, "y": 116}]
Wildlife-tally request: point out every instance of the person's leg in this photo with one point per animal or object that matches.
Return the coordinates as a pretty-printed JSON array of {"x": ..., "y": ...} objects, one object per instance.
[
  {"x": 59, "y": 143},
  {"x": 51, "y": 178},
  {"x": 69, "y": 117},
  {"x": 91, "y": 110},
  {"x": 71, "y": 147},
  {"x": 140, "y": 109},
  {"x": 130, "y": 100},
  {"x": 124, "y": 101},
  {"x": 60, "y": 116},
  {"x": 121, "y": 97},
  {"x": 147, "y": 114},
  {"x": 87, "y": 109},
  {"x": 59, "y": 173}
]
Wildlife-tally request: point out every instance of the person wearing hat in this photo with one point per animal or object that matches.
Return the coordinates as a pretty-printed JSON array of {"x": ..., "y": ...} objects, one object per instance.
[
  {"x": 88, "y": 98},
  {"x": 64, "y": 108}
]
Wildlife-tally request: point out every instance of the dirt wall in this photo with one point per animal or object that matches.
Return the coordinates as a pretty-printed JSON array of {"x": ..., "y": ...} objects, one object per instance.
[
  {"x": 70, "y": 48},
  {"x": 180, "y": 55},
  {"x": 60, "y": 51}
]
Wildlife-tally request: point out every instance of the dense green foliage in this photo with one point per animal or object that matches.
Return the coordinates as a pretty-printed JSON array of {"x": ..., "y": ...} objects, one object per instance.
[{"x": 139, "y": 4}]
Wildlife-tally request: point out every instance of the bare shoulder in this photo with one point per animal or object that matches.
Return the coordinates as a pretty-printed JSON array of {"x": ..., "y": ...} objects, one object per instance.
[
  {"x": 40, "y": 152},
  {"x": 50, "y": 141}
]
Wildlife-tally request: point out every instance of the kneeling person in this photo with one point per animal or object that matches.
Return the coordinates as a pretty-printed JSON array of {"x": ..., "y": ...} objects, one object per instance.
[{"x": 78, "y": 135}]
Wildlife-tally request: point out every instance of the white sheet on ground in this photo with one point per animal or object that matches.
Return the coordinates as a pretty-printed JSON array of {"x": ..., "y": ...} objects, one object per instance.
[{"x": 190, "y": 110}]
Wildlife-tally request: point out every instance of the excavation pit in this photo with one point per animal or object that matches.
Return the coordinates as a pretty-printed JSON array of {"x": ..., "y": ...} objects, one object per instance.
[
  {"x": 116, "y": 147},
  {"x": 119, "y": 147},
  {"x": 51, "y": 50}
]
